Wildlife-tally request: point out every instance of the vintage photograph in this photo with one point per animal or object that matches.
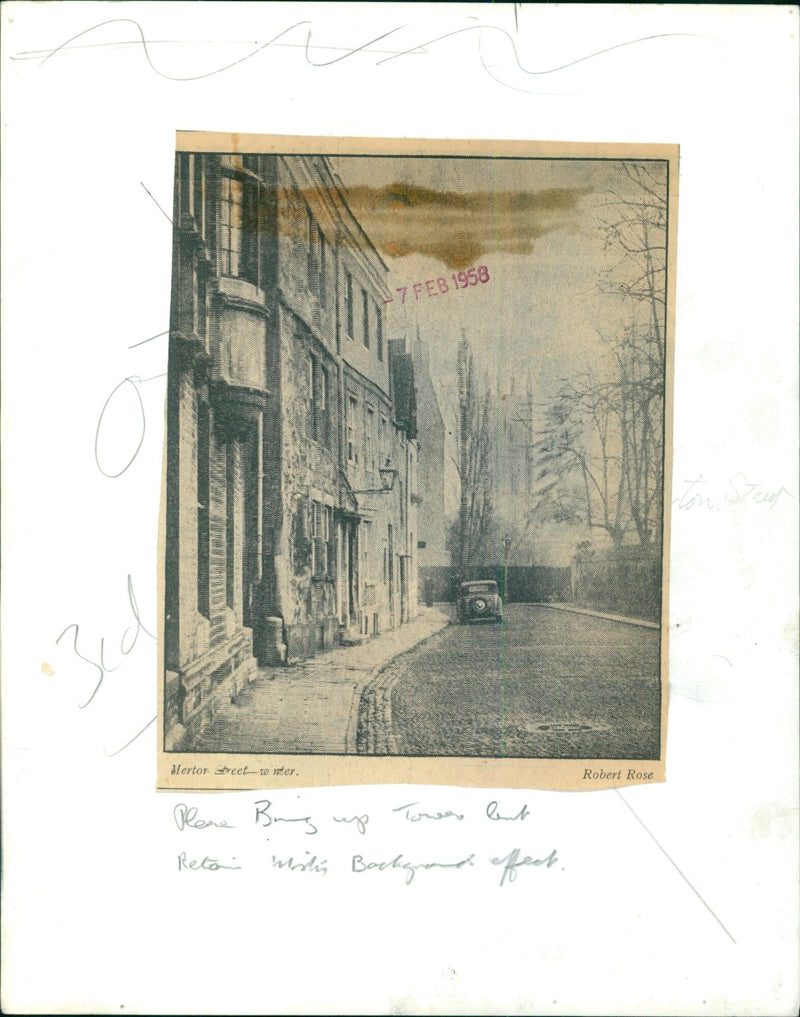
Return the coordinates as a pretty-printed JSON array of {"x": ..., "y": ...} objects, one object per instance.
[{"x": 417, "y": 437}]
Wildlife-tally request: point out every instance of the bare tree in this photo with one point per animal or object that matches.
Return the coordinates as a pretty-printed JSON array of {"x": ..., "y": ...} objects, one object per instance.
[
  {"x": 473, "y": 535},
  {"x": 634, "y": 224},
  {"x": 601, "y": 446},
  {"x": 581, "y": 476}
]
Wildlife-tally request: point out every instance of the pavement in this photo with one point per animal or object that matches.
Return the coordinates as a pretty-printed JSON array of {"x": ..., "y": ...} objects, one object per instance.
[
  {"x": 626, "y": 619},
  {"x": 312, "y": 706}
]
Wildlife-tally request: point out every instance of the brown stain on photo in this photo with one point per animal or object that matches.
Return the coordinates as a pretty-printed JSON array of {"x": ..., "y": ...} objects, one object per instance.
[
  {"x": 454, "y": 228},
  {"x": 459, "y": 228}
]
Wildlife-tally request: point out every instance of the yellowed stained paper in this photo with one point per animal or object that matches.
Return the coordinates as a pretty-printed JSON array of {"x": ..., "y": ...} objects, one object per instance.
[{"x": 417, "y": 457}]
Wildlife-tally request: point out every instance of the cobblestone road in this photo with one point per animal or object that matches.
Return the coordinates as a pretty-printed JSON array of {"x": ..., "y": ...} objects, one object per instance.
[{"x": 545, "y": 684}]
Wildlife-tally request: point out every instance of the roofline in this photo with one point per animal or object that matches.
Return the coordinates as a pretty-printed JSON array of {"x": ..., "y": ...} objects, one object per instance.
[{"x": 341, "y": 188}]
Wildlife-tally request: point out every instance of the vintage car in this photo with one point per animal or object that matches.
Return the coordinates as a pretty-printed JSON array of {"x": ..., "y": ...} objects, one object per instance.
[{"x": 479, "y": 600}]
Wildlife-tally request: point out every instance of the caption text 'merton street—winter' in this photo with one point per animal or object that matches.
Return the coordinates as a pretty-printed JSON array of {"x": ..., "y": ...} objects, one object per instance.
[{"x": 508, "y": 863}]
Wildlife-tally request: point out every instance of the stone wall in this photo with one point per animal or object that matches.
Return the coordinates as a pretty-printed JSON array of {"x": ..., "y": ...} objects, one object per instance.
[
  {"x": 216, "y": 651},
  {"x": 627, "y": 584},
  {"x": 306, "y": 329},
  {"x": 523, "y": 584}
]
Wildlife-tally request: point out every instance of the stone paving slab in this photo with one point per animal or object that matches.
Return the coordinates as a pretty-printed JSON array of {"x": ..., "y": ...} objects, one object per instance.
[{"x": 312, "y": 706}]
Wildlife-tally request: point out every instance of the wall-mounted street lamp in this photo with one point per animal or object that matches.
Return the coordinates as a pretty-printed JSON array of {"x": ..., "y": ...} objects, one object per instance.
[{"x": 387, "y": 474}]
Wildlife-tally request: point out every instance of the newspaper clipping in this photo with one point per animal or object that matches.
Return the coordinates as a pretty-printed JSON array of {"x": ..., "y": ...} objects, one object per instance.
[{"x": 416, "y": 464}]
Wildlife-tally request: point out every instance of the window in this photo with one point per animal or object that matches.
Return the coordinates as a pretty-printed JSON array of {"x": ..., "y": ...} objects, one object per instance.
[
  {"x": 369, "y": 458},
  {"x": 365, "y": 316},
  {"x": 352, "y": 409},
  {"x": 230, "y": 530},
  {"x": 384, "y": 450},
  {"x": 322, "y": 539},
  {"x": 238, "y": 227},
  {"x": 348, "y": 302},
  {"x": 211, "y": 210},
  {"x": 300, "y": 541},
  {"x": 312, "y": 253},
  {"x": 200, "y": 299},
  {"x": 318, "y": 417},
  {"x": 198, "y": 204},
  {"x": 322, "y": 398},
  {"x": 366, "y": 550},
  {"x": 185, "y": 183},
  {"x": 318, "y": 563},
  {"x": 379, "y": 331},
  {"x": 322, "y": 419},
  {"x": 195, "y": 175},
  {"x": 231, "y": 224},
  {"x": 203, "y": 550},
  {"x": 316, "y": 258},
  {"x": 310, "y": 395},
  {"x": 330, "y": 545},
  {"x": 323, "y": 289}
]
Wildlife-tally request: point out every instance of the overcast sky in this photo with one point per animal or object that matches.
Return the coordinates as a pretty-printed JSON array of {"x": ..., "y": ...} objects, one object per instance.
[{"x": 532, "y": 223}]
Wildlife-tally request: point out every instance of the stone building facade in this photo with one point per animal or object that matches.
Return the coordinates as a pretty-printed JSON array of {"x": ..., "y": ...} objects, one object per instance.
[{"x": 291, "y": 464}]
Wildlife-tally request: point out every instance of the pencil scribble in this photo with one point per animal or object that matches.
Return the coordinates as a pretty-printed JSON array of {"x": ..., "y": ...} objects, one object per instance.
[{"x": 368, "y": 47}]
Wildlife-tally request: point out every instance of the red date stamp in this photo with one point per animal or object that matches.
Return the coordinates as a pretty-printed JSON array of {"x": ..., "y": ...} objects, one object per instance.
[{"x": 440, "y": 285}]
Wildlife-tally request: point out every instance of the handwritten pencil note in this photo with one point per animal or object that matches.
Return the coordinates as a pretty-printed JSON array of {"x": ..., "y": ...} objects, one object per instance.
[{"x": 388, "y": 842}]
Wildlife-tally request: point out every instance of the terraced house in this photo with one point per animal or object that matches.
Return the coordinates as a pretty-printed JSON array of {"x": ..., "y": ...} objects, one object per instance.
[{"x": 291, "y": 431}]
